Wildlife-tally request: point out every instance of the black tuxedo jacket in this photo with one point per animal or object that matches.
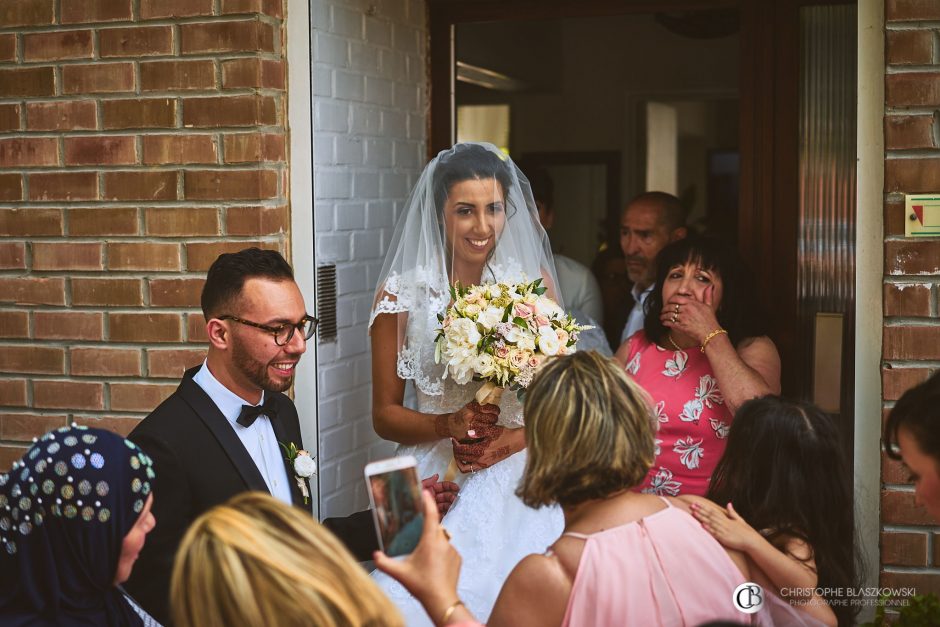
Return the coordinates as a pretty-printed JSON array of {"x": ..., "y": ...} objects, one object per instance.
[{"x": 200, "y": 462}]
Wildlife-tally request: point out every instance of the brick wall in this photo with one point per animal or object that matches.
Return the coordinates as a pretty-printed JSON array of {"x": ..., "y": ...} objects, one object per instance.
[
  {"x": 910, "y": 547},
  {"x": 369, "y": 147},
  {"x": 138, "y": 140}
]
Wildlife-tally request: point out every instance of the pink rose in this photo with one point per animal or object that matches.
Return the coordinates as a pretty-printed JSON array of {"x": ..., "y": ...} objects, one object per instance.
[
  {"x": 541, "y": 321},
  {"x": 502, "y": 351},
  {"x": 521, "y": 310}
]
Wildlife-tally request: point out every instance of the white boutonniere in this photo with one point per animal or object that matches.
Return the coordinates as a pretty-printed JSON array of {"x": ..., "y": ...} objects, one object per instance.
[{"x": 304, "y": 465}]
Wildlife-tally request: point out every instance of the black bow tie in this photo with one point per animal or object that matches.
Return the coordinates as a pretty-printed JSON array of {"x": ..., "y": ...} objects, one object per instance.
[{"x": 250, "y": 413}]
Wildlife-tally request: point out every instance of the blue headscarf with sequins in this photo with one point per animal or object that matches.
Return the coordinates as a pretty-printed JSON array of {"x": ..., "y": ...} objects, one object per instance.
[{"x": 65, "y": 508}]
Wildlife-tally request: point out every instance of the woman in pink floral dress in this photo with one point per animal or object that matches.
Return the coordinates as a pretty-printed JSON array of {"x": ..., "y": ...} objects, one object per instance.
[{"x": 702, "y": 353}]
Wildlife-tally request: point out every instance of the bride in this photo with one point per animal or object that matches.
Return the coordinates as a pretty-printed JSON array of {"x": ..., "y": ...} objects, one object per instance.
[{"x": 471, "y": 218}]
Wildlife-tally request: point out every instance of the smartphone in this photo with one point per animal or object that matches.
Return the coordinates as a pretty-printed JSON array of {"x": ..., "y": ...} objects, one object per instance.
[{"x": 397, "y": 508}]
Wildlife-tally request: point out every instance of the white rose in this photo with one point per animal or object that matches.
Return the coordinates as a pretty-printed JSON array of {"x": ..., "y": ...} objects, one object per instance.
[
  {"x": 548, "y": 343},
  {"x": 472, "y": 310},
  {"x": 526, "y": 342},
  {"x": 490, "y": 317},
  {"x": 305, "y": 465},
  {"x": 545, "y": 306},
  {"x": 485, "y": 365},
  {"x": 463, "y": 331}
]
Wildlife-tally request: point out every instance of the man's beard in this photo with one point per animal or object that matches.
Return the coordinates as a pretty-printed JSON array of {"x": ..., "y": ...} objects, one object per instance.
[{"x": 255, "y": 371}]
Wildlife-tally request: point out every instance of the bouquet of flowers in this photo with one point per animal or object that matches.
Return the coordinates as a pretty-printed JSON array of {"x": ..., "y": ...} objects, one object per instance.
[{"x": 501, "y": 333}]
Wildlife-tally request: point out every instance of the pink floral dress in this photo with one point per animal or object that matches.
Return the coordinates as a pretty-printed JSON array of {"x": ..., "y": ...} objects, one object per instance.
[{"x": 693, "y": 417}]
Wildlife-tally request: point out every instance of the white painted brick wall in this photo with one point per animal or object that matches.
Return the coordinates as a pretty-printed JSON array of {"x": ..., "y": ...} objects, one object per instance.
[{"x": 369, "y": 145}]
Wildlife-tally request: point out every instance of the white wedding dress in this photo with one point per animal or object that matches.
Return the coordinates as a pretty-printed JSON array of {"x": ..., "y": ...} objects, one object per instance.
[{"x": 490, "y": 527}]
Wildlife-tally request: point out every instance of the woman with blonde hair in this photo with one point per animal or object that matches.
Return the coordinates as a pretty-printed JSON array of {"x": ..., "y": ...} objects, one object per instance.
[{"x": 255, "y": 562}]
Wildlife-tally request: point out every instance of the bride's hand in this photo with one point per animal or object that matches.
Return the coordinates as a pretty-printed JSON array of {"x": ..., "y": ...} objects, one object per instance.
[
  {"x": 471, "y": 457},
  {"x": 472, "y": 417}
]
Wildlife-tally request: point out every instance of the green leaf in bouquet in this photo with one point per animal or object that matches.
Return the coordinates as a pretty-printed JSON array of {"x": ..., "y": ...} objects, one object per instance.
[
  {"x": 437, "y": 350},
  {"x": 537, "y": 282},
  {"x": 520, "y": 322},
  {"x": 453, "y": 292},
  {"x": 540, "y": 290},
  {"x": 440, "y": 317}
]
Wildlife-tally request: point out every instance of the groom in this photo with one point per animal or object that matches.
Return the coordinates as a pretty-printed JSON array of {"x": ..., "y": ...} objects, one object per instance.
[{"x": 221, "y": 432}]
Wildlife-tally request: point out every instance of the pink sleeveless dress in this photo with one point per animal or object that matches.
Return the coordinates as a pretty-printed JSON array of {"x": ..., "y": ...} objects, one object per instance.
[
  {"x": 693, "y": 418},
  {"x": 663, "y": 569}
]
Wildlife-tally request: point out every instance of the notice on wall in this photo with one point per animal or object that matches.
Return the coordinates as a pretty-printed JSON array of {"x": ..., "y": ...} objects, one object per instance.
[{"x": 923, "y": 215}]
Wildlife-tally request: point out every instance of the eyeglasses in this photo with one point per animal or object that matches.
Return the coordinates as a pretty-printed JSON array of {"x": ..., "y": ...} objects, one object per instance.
[{"x": 283, "y": 333}]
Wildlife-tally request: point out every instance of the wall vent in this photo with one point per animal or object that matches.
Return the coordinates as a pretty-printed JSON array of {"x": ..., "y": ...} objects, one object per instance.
[{"x": 326, "y": 302}]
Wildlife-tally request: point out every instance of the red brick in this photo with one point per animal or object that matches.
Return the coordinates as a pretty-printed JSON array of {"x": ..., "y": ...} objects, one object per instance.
[
  {"x": 103, "y": 221},
  {"x": 140, "y": 185},
  {"x": 896, "y": 381},
  {"x": 100, "y": 150},
  {"x": 13, "y": 392},
  {"x": 105, "y": 362},
  {"x": 108, "y": 292},
  {"x": 200, "y": 255},
  {"x": 8, "y": 47},
  {"x": 196, "y": 328},
  {"x": 912, "y": 176},
  {"x": 154, "y": 9},
  {"x": 10, "y": 454},
  {"x": 14, "y": 324},
  {"x": 257, "y": 220},
  {"x": 68, "y": 325},
  {"x": 904, "y": 10},
  {"x": 909, "y": 132},
  {"x": 148, "y": 113},
  {"x": 906, "y": 300},
  {"x": 12, "y": 256},
  {"x": 898, "y": 508},
  {"x": 186, "y": 221},
  {"x": 32, "y": 359},
  {"x": 904, "y": 549},
  {"x": 254, "y": 148},
  {"x": 26, "y": 13},
  {"x": 177, "y": 75},
  {"x": 254, "y": 73},
  {"x": 264, "y": 7},
  {"x": 30, "y": 222},
  {"x": 136, "y": 41},
  {"x": 912, "y": 89},
  {"x": 75, "y": 11},
  {"x": 922, "y": 583},
  {"x": 936, "y": 549},
  {"x": 171, "y": 364},
  {"x": 31, "y": 81},
  {"x": 251, "y": 110},
  {"x": 69, "y": 44},
  {"x": 24, "y": 152},
  {"x": 63, "y": 186},
  {"x": 9, "y": 117},
  {"x": 911, "y": 342},
  {"x": 912, "y": 257},
  {"x": 96, "y": 78},
  {"x": 139, "y": 396},
  {"x": 242, "y": 36},
  {"x": 122, "y": 425},
  {"x": 25, "y": 427},
  {"x": 68, "y": 395},
  {"x": 894, "y": 217},
  {"x": 145, "y": 327},
  {"x": 67, "y": 256},
  {"x": 143, "y": 256},
  {"x": 230, "y": 184},
  {"x": 910, "y": 47},
  {"x": 178, "y": 149},
  {"x": 176, "y": 292},
  {"x": 73, "y": 115},
  {"x": 32, "y": 291},
  {"x": 11, "y": 187}
]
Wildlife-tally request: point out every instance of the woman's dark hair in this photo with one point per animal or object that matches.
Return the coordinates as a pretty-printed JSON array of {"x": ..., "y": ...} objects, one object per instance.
[
  {"x": 918, "y": 413},
  {"x": 738, "y": 312},
  {"x": 227, "y": 276},
  {"x": 784, "y": 472},
  {"x": 469, "y": 161}
]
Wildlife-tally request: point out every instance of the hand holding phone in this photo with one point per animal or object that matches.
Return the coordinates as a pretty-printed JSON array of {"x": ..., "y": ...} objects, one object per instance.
[{"x": 397, "y": 507}]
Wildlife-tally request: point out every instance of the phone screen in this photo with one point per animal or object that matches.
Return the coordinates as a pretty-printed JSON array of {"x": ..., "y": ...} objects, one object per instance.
[{"x": 397, "y": 509}]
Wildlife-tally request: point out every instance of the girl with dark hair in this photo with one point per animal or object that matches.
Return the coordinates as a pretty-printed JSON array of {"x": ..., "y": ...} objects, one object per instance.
[
  {"x": 701, "y": 354},
  {"x": 470, "y": 219},
  {"x": 788, "y": 497}
]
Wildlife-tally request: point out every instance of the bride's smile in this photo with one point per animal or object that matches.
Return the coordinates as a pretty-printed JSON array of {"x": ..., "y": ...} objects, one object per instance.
[{"x": 474, "y": 215}]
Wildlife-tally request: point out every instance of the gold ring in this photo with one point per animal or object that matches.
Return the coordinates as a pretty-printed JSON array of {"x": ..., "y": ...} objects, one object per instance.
[{"x": 446, "y": 533}]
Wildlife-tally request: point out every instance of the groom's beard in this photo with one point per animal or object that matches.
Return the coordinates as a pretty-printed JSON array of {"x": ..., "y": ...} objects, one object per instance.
[{"x": 257, "y": 372}]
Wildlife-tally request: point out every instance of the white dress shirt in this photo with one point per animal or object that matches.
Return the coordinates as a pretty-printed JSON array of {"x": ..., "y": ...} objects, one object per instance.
[
  {"x": 635, "y": 319},
  {"x": 259, "y": 439}
]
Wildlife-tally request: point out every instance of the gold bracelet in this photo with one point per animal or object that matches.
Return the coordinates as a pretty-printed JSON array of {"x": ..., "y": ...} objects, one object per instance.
[
  {"x": 711, "y": 335},
  {"x": 450, "y": 611}
]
